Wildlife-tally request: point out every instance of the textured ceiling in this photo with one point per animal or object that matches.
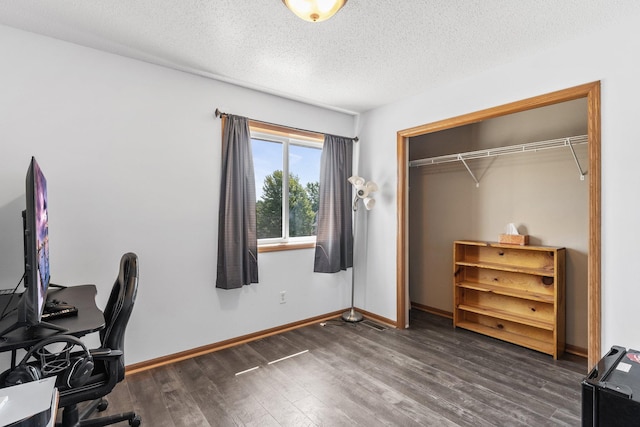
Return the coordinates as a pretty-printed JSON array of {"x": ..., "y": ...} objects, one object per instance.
[{"x": 371, "y": 53}]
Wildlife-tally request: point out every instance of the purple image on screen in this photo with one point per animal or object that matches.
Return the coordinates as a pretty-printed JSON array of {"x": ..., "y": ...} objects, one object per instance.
[{"x": 42, "y": 233}]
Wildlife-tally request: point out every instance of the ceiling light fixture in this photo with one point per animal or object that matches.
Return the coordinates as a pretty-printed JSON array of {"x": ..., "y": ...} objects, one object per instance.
[{"x": 314, "y": 10}]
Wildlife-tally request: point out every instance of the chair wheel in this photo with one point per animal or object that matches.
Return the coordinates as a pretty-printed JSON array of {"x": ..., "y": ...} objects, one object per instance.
[
  {"x": 102, "y": 405},
  {"x": 135, "y": 422}
]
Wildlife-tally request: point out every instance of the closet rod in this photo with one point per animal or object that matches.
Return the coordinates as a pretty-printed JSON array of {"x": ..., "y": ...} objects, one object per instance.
[
  {"x": 219, "y": 113},
  {"x": 511, "y": 149}
]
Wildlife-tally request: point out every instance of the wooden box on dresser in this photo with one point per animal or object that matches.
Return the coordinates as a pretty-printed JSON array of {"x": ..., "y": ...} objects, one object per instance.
[{"x": 513, "y": 293}]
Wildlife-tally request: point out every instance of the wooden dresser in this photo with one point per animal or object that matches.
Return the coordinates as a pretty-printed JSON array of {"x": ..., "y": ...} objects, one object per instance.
[{"x": 513, "y": 293}]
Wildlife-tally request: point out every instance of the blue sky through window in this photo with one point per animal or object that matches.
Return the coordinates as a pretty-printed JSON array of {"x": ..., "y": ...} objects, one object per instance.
[{"x": 267, "y": 158}]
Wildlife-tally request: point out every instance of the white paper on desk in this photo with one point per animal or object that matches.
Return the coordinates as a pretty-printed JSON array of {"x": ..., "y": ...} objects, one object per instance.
[{"x": 26, "y": 400}]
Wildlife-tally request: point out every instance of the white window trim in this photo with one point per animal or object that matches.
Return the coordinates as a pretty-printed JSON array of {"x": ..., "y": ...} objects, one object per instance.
[{"x": 286, "y": 141}]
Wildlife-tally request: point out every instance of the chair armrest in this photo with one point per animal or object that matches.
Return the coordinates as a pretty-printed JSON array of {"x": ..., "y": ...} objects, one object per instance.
[{"x": 105, "y": 353}]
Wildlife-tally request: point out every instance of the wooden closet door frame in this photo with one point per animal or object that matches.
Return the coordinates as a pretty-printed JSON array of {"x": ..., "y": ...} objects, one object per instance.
[{"x": 590, "y": 91}]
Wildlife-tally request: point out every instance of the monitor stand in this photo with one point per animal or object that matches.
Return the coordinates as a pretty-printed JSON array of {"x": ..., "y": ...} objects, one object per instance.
[{"x": 19, "y": 325}]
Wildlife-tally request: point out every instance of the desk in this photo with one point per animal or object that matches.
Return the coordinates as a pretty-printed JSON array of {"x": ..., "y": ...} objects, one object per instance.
[{"x": 89, "y": 318}]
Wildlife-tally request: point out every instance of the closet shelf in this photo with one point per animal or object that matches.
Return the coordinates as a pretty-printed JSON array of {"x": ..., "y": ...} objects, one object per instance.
[{"x": 501, "y": 151}]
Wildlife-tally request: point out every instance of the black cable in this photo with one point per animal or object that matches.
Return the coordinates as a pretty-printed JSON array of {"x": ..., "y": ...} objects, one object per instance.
[{"x": 13, "y": 293}]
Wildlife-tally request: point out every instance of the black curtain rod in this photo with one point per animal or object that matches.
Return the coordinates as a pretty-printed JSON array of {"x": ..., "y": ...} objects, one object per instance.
[{"x": 220, "y": 114}]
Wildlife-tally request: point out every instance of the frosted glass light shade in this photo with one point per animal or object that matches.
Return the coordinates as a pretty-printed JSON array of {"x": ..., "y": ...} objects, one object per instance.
[
  {"x": 356, "y": 181},
  {"x": 369, "y": 203},
  {"x": 363, "y": 189},
  {"x": 372, "y": 187},
  {"x": 314, "y": 10}
]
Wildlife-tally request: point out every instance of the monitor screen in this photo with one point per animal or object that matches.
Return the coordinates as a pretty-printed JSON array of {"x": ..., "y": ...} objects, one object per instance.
[{"x": 36, "y": 246}]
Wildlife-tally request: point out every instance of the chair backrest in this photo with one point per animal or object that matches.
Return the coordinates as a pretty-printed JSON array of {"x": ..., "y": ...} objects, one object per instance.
[{"x": 120, "y": 305}]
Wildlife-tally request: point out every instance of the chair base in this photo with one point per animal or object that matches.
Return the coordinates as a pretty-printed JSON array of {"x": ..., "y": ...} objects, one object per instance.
[{"x": 71, "y": 417}]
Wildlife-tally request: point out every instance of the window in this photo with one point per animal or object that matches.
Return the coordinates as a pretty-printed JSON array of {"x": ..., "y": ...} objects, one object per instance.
[{"x": 285, "y": 208}]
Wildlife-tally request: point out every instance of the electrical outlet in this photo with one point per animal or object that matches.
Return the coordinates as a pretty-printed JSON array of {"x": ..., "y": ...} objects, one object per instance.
[{"x": 283, "y": 297}]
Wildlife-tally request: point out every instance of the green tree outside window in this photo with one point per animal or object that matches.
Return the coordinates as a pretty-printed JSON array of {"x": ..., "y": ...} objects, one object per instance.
[{"x": 303, "y": 205}]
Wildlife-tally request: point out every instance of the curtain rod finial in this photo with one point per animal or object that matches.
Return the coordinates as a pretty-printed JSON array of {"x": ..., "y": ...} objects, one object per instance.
[{"x": 218, "y": 113}]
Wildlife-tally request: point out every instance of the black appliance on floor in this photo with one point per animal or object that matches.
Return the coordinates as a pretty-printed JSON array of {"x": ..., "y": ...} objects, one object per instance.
[{"x": 611, "y": 391}]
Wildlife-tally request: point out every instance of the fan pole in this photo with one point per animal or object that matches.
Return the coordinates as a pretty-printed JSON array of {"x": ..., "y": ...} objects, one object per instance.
[{"x": 352, "y": 315}]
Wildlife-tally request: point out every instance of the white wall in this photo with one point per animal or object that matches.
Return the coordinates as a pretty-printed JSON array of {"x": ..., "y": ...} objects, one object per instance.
[
  {"x": 599, "y": 56},
  {"x": 131, "y": 152}
]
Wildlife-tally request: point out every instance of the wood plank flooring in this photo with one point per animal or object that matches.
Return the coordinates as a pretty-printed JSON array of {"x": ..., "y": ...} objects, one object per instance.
[{"x": 353, "y": 374}]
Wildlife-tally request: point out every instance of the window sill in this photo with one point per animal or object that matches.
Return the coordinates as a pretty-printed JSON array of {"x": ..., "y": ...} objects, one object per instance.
[{"x": 276, "y": 247}]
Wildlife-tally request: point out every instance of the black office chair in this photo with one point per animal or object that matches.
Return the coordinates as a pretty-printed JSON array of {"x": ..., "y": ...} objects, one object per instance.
[{"x": 108, "y": 359}]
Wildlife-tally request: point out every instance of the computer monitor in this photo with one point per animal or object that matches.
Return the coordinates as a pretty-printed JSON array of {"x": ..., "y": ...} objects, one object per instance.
[
  {"x": 36, "y": 247},
  {"x": 35, "y": 222}
]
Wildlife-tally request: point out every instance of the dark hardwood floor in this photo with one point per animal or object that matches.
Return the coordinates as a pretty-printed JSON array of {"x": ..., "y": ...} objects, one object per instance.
[{"x": 354, "y": 374}]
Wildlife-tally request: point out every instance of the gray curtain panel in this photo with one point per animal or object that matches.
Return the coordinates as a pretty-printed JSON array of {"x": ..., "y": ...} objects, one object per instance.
[
  {"x": 237, "y": 238},
  {"x": 334, "y": 240}
]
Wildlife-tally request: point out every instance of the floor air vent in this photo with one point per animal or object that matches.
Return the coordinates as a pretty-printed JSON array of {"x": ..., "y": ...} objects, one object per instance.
[{"x": 374, "y": 325}]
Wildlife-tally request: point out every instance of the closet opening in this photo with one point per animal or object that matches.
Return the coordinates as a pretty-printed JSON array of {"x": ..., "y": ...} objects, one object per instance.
[{"x": 435, "y": 158}]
